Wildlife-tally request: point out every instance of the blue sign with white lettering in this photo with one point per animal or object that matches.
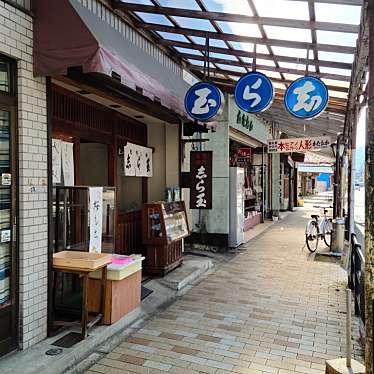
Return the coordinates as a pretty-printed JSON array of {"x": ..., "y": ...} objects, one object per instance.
[
  {"x": 254, "y": 92},
  {"x": 203, "y": 101},
  {"x": 306, "y": 97}
]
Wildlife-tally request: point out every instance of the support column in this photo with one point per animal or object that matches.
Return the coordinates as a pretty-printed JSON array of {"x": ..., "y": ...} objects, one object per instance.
[
  {"x": 369, "y": 211},
  {"x": 275, "y": 179}
]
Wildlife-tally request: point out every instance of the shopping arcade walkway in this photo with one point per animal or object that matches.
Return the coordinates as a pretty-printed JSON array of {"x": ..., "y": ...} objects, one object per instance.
[{"x": 271, "y": 309}]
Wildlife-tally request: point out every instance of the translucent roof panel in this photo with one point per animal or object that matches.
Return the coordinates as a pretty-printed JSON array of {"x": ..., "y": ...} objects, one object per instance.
[
  {"x": 223, "y": 56},
  {"x": 260, "y": 61},
  {"x": 335, "y": 71},
  {"x": 189, "y": 51},
  {"x": 290, "y": 52},
  {"x": 199, "y": 63},
  {"x": 143, "y": 2},
  {"x": 270, "y": 74},
  {"x": 240, "y": 29},
  {"x": 175, "y": 37},
  {"x": 290, "y": 65},
  {"x": 179, "y": 4},
  {"x": 338, "y": 57},
  {"x": 335, "y": 83},
  {"x": 260, "y": 48},
  {"x": 235, "y": 7},
  {"x": 154, "y": 18},
  {"x": 342, "y": 95},
  {"x": 280, "y": 86},
  {"x": 338, "y": 13},
  {"x": 337, "y": 38},
  {"x": 282, "y": 9},
  {"x": 288, "y": 33},
  {"x": 212, "y": 42},
  {"x": 195, "y": 23},
  {"x": 232, "y": 68}
]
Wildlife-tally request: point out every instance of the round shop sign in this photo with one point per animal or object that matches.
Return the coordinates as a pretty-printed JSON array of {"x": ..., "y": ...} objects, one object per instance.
[
  {"x": 306, "y": 97},
  {"x": 203, "y": 101},
  {"x": 254, "y": 92}
]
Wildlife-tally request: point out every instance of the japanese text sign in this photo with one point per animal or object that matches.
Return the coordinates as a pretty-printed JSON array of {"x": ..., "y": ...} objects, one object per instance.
[
  {"x": 306, "y": 97},
  {"x": 244, "y": 155},
  {"x": 254, "y": 92},
  {"x": 203, "y": 101},
  {"x": 137, "y": 161},
  {"x": 96, "y": 219},
  {"x": 298, "y": 144},
  {"x": 201, "y": 173}
]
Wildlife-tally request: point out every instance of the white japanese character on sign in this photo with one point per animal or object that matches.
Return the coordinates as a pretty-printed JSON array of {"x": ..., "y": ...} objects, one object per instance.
[
  {"x": 248, "y": 95},
  {"x": 202, "y": 104},
  {"x": 200, "y": 187},
  {"x": 304, "y": 100}
]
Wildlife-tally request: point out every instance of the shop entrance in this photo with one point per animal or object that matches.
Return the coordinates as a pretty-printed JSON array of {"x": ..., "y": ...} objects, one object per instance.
[{"x": 8, "y": 209}]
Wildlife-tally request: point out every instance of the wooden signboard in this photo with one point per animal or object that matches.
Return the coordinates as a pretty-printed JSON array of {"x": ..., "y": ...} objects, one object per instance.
[{"x": 201, "y": 173}]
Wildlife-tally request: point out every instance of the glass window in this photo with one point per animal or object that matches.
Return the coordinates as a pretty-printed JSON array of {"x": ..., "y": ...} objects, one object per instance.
[
  {"x": 4, "y": 76},
  {"x": 5, "y": 210}
]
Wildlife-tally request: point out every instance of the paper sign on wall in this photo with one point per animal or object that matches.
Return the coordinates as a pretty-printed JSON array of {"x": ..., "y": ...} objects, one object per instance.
[
  {"x": 56, "y": 160},
  {"x": 298, "y": 144},
  {"x": 68, "y": 163},
  {"x": 137, "y": 161},
  {"x": 96, "y": 218}
]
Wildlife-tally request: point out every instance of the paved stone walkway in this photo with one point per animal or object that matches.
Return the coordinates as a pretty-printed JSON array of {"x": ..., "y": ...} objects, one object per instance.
[{"x": 271, "y": 309}]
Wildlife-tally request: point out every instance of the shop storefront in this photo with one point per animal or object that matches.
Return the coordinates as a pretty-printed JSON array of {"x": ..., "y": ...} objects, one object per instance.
[
  {"x": 115, "y": 103},
  {"x": 240, "y": 178}
]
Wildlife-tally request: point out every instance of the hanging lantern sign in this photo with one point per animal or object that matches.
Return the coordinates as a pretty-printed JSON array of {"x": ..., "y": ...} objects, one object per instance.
[
  {"x": 203, "y": 101},
  {"x": 306, "y": 97},
  {"x": 254, "y": 92}
]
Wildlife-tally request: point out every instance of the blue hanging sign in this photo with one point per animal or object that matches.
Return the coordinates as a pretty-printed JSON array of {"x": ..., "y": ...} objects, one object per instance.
[
  {"x": 203, "y": 101},
  {"x": 254, "y": 92},
  {"x": 306, "y": 97}
]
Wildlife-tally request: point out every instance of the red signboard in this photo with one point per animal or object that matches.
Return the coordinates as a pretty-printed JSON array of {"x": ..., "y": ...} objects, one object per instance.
[
  {"x": 244, "y": 155},
  {"x": 201, "y": 173}
]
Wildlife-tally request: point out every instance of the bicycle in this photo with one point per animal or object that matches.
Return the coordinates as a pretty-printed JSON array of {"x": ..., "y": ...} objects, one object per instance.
[{"x": 318, "y": 229}]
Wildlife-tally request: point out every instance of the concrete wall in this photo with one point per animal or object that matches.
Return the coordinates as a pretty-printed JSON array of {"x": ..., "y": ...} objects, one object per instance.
[
  {"x": 156, "y": 184},
  {"x": 165, "y": 140},
  {"x": 16, "y": 33}
]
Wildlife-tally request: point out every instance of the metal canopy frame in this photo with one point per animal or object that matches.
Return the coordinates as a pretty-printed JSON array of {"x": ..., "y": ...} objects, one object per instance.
[{"x": 229, "y": 62}]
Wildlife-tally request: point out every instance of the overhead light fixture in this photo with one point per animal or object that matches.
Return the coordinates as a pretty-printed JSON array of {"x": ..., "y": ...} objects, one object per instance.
[
  {"x": 139, "y": 116},
  {"x": 115, "y": 106}
]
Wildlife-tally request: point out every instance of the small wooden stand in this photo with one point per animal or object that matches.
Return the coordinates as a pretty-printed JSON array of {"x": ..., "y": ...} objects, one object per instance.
[
  {"x": 164, "y": 226},
  {"x": 84, "y": 272}
]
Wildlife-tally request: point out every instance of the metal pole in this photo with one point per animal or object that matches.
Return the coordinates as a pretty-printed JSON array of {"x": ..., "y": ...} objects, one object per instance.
[
  {"x": 336, "y": 179},
  {"x": 369, "y": 211},
  {"x": 348, "y": 328}
]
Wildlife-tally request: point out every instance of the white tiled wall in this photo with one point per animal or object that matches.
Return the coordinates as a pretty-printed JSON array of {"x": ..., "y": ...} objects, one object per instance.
[{"x": 16, "y": 42}]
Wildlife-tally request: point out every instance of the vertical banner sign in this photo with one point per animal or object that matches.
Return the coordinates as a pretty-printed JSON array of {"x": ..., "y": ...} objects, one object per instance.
[
  {"x": 138, "y": 161},
  {"x": 201, "y": 173},
  {"x": 56, "y": 160},
  {"x": 68, "y": 163},
  {"x": 96, "y": 218}
]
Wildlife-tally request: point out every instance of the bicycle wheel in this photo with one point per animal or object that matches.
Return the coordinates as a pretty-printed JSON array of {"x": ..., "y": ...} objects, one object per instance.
[
  {"x": 312, "y": 237},
  {"x": 327, "y": 233}
]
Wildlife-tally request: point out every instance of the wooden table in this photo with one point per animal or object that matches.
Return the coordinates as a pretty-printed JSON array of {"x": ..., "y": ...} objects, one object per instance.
[{"x": 84, "y": 273}]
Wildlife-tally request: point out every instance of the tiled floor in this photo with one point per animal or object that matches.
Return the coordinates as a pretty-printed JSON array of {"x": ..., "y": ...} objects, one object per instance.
[{"x": 271, "y": 309}]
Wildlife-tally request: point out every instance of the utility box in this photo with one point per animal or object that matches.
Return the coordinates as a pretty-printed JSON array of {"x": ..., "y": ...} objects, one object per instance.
[{"x": 337, "y": 235}]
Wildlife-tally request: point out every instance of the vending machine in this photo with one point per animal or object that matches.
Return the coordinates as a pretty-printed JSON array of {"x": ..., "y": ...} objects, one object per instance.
[{"x": 236, "y": 201}]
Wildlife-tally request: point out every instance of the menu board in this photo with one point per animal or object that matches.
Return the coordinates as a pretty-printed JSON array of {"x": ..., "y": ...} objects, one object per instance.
[{"x": 175, "y": 222}]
